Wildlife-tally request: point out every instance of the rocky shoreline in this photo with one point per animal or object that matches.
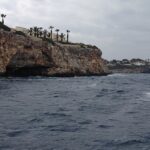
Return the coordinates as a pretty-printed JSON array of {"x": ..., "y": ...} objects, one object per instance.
[
  {"x": 129, "y": 69},
  {"x": 23, "y": 56},
  {"x": 128, "y": 66}
]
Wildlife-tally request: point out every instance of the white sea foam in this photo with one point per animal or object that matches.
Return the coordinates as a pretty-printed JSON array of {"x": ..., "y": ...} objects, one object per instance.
[
  {"x": 118, "y": 75},
  {"x": 146, "y": 97},
  {"x": 92, "y": 85},
  {"x": 148, "y": 94}
]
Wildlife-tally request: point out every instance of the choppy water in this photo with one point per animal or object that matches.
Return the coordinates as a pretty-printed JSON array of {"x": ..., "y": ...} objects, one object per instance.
[{"x": 86, "y": 113}]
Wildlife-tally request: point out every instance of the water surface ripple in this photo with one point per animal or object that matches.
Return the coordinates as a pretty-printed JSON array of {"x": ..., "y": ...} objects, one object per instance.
[{"x": 85, "y": 113}]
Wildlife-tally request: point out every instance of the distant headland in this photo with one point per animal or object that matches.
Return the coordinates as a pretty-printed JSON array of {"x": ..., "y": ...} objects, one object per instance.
[{"x": 128, "y": 66}]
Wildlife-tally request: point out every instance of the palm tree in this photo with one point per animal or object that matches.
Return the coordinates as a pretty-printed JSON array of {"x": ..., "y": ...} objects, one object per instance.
[
  {"x": 68, "y": 36},
  {"x": 3, "y": 16},
  {"x": 57, "y": 30},
  {"x": 45, "y": 34},
  {"x": 62, "y": 36},
  {"x": 40, "y": 28},
  {"x": 40, "y": 31},
  {"x": 51, "y": 35},
  {"x": 35, "y": 29},
  {"x": 31, "y": 31}
]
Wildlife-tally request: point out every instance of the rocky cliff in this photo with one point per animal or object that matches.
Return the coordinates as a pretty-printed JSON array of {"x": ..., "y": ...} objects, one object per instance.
[{"x": 23, "y": 56}]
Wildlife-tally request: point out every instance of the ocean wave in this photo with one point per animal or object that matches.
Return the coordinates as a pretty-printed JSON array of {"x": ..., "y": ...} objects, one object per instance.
[
  {"x": 92, "y": 85},
  {"x": 16, "y": 133},
  {"x": 127, "y": 142},
  {"x": 107, "y": 113},
  {"x": 117, "y": 75},
  {"x": 105, "y": 126},
  {"x": 63, "y": 128},
  {"x": 146, "y": 96},
  {"x": 56, "y": 114}
]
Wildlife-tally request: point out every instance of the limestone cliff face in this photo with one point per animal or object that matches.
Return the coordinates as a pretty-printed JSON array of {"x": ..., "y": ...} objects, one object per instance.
[{"x": 23, "y": 56}]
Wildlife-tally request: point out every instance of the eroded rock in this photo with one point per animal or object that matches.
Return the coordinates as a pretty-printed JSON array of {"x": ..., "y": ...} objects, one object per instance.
[{"x": 24, "y": 56}]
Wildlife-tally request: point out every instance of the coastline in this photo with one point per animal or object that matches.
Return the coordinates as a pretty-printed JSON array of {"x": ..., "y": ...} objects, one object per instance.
[{"x": 23, "y": 56}]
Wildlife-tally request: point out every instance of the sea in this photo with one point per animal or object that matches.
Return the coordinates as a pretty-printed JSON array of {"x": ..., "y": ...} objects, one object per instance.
[{"x": 80, "y": 113}]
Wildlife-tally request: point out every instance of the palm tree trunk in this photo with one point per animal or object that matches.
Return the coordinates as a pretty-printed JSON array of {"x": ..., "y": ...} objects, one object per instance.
[
  {"x": 2, "y": 20},
  {"x": 57, "y": 36},
  {"x": 67, "y": 38},
  {"x": 51, "y": 35}
]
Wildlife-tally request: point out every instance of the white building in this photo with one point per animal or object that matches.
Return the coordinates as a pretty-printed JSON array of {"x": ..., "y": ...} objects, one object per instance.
[{"x": 24, "y": 30}]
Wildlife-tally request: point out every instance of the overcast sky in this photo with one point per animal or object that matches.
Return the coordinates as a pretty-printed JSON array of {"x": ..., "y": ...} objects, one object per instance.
[{"x": 120, "y": 28}]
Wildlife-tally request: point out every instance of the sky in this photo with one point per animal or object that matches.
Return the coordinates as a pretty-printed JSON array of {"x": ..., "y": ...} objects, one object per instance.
[{"x": 120, "y": 28}]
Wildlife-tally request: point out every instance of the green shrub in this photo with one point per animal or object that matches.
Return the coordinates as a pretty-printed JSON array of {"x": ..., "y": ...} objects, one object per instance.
[
  {"x": 92, "y": 46},
  {"x": 82, "y": 45},
  {"x": 49, "y": 41}
]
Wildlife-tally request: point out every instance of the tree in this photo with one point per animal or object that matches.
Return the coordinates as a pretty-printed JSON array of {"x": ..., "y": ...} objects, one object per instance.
[
  {"x": 68, "y": 36},
  {"x": 3, "y": 16},
  {"x": 45, "y": 34},
  {"x": 40, "y": 33},
  {"x": 57, "y": 30},
  {"x": 51, "y": 35},
  {"x": 62, "y": 36},
  {"x": 35, "y": 29},
  {"x": 31, "y": 31}
]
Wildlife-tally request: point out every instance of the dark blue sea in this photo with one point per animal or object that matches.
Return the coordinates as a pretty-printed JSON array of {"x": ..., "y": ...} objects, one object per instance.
[{"x": 80, "y": 113}]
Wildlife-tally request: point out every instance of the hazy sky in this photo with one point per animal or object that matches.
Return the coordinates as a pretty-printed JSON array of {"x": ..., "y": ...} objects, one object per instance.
[{"x": 121, "y": 28}]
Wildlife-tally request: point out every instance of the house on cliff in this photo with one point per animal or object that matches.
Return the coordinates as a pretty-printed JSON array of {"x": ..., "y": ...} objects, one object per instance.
[
  {"x": 24, "y": 30},
  {"x": 138, "y": 62}
]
